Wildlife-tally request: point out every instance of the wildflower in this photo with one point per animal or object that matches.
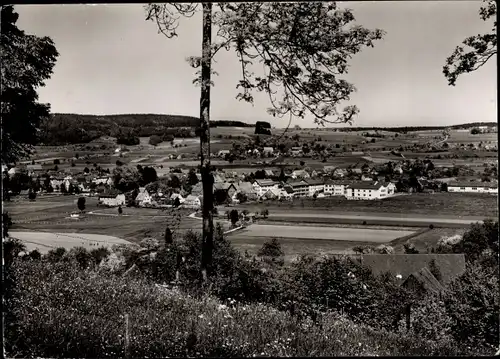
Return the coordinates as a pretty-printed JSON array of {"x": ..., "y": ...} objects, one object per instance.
[{"x": 201, "y": 316}]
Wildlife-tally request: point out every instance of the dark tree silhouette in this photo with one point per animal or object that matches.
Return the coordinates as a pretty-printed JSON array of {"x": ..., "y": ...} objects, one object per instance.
[
  {"x": 81, "y": 204},
  {"x": 27, "y": 62},
  {"x": 480, "y": 48},
  {"x": 304, "y": 47}
]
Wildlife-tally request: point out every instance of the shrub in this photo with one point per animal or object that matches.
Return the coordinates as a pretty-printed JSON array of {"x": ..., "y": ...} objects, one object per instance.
[
  {"x": 99, "y": 254},
  {"x": 155, "y": 140},
  {"x": 81, "y": 256},
  {"x": 82, "y": 315},
  {"x": 55, "y": 255},
  {"x": 431, "y": 226}
]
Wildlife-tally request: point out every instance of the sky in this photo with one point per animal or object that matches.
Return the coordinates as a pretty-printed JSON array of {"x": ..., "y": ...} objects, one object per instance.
[{"x": 113, "y": 61}]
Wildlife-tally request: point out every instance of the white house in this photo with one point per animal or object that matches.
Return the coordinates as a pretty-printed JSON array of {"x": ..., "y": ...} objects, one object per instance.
[
  {"x": 193, "y": 202},
  {"x": 316, "y": 187},
  {"x": 473, "y": 187},
  {"x": 336, "y": 188},
  {"x": 112, "y": 199},
  {"x": 369, "y": 190},
  {"x": 143, "y": 198},
  {"x": 262, "y": 186},
  {"x": 268, "y": 150}
]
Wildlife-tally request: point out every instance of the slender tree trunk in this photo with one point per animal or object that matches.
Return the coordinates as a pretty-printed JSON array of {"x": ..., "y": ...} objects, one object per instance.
[{"x": 206, "y": 175}]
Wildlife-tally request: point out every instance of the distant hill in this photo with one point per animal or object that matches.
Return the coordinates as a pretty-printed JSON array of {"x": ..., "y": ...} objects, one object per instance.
[
  {"x": 70, "y": 128},
  {"x": 226, "y": 123},
  {"x": 418, "y": 128}
]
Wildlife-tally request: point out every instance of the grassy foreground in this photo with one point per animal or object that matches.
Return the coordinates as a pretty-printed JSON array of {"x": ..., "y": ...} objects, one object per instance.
[{"x": 58, "y": 310}]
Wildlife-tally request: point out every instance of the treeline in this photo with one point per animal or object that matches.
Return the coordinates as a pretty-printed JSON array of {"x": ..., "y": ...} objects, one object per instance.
[
  {"x": 62, "y": 129},
  {"x": 417, "y": 128},
  {"x": 227, "y": 123}
]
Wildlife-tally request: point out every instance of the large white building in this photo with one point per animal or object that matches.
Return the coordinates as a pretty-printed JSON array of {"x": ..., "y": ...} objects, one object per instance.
[
  {"x": 369, "y": 190},
  {"x": 473, "y": 187},
  {"x": 336, "y": 188},
  {"x": 262, "y": 186},
  {"x": 315, "y": 187}
]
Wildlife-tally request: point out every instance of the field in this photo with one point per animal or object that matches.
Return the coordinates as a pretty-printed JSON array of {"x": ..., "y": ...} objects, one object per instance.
[
  {"x": 452, "y": 205},
  {"x": 45, "y": 241},
  {"x": 298, "y": 240},
  {"x": 51, "y": 214}
]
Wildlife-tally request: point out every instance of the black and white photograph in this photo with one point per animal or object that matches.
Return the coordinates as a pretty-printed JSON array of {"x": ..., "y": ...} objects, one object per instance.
[{"x": 250, "y": 179}]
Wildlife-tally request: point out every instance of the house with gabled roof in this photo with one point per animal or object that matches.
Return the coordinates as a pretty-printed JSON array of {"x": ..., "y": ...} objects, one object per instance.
[
  {"x": 193, "y": 202},
  {"x": 262, "y": 186},
  {"x": 143, "y": 197},
  {"x": 364, "y": 190},
  {"x": 112, "y": 198}
]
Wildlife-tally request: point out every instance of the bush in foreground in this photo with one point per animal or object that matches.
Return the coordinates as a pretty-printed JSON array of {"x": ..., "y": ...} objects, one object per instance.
[{"x": 62, "y": 311}]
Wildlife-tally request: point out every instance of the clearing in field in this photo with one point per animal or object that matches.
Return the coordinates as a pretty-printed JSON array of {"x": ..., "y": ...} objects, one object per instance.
[{"x": 45, "y": 241}]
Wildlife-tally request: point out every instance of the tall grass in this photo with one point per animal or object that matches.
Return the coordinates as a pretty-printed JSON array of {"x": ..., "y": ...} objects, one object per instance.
[{"x": 59, "y": 310}]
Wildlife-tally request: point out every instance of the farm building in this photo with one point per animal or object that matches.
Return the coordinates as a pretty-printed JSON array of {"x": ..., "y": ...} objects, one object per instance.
[
  {"x": 272, "y": 193},
  {"x": 473, "y": 187},
  {"x": 229, "y": 188},
  {"x": 112, "y": 198},
  {"x": 369, "y": 190},
  {"x": 143, "y": 198},
  {"x": 245, "y": 188},
  {"x": 296, "y": 151},
  {"x": 268, "y": 150},
  {"x": 193, "y": 202}
]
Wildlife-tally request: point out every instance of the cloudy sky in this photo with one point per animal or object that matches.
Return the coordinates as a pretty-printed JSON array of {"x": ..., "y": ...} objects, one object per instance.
[{"x": 112, "y": 61}]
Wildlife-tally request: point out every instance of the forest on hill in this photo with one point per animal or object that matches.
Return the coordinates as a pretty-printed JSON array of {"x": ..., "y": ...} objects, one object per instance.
[
  {"x": 69, "y": 128},
  {"x": 418, "y": 128}
]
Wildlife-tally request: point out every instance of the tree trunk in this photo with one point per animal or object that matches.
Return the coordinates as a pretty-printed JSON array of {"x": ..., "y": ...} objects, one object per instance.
[{"x": 206, "y": 175}]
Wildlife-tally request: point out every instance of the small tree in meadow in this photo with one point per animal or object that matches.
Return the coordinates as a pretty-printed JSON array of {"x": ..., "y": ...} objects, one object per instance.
[
  {"x": 81, "y": 204},
  {"x": 265, "y": 213},
  {"x": 271, "y": 250},
  {"x": 234, "y": 217}
]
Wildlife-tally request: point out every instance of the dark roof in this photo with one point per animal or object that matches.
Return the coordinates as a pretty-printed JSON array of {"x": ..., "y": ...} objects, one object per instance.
[
  {"x": 266, "y": 182},
  {"x": 112, "y": 193},
  {"x": 450, "y": 265},
  {"x": 366, "y": 185},
  {"x": 425, "y": 280},
  {"x": 315, "y": 182}
]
